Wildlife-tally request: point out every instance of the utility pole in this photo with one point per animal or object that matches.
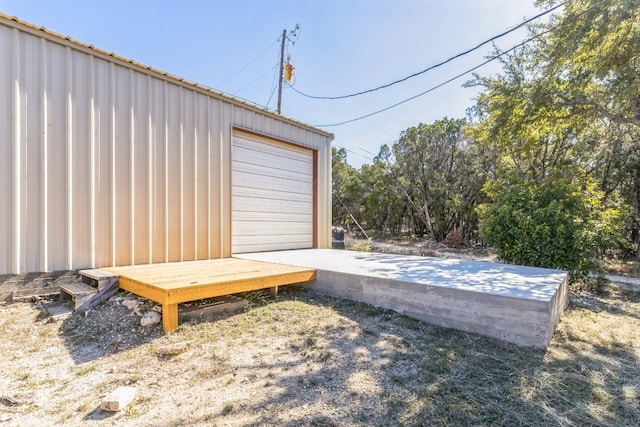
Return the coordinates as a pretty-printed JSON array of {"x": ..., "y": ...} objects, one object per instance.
[
  {"x": 284, "y": 38},
  {"x": 294, "y": 33}
]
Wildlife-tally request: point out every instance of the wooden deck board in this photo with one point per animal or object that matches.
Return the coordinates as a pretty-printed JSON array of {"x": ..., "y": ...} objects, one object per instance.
[{"x": 176, "y": 282}]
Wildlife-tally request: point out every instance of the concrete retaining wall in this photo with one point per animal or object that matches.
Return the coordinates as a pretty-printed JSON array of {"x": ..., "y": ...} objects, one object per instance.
[
  {"x": 520, "y": 305},
  {"x": 519, "y": 321}
]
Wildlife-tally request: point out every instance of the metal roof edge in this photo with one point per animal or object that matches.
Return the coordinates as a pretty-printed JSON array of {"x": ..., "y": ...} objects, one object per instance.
[{"x": 15, "y": 22}]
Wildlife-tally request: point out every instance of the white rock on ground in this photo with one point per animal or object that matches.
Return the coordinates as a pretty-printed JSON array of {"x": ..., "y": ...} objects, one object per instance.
[
  {"x": 131, "y": 304},
  {"x": 175, "y": 348},
  {"x": 150, "y": 318},
  {"x": 118, "y": 399}
]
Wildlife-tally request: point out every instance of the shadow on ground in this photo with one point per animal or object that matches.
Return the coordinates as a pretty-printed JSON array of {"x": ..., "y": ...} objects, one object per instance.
[
  {"x": 427, "y": 375},
  {"x": 106, "y": 329}
]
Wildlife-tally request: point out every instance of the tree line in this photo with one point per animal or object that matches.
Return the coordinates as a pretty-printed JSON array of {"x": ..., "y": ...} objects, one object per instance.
[{"x": 545, "y": 168}]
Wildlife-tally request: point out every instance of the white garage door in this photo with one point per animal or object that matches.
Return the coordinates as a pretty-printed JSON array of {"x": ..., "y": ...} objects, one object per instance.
[{"x": 272, "y": 196}]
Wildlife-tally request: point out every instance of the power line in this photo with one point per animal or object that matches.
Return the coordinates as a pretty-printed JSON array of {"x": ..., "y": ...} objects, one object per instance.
[
  {"x": 248, "y": 64},
  {"x": 466, "y": 52},
  {"x": 349, "y": 150},
  {"x": 257, "y": 78},
  {"x": 431, "y": 89},
  {"x": 274, "y": 86}
]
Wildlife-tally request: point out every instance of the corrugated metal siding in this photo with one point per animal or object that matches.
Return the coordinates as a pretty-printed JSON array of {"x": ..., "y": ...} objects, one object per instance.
[{"x": 105, "y": 162}]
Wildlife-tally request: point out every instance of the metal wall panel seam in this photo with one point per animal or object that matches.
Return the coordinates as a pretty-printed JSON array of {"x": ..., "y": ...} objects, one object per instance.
[
  {"x": 112, "y": 84},
  {"x": 132, "y": 166},
  {"x": 208, "y": 124},
  {"x": 92, "y": 164},
  {"x": 225, "y": 180},
  {"x": 17, "y": 226},
  {"x": 195, "y": 175},
  {"x": 219, "y": 187},
  {"x": 150, "y": 168},
  {"x": 181, "y": 119},
  {"x": 44, "y": 230},
  {"x": 69, "y": 148},
  {"x": 166, "y": 172}
]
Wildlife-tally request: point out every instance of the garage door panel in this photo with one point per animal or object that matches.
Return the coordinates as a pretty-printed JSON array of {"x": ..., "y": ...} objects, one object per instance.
[
  {"x": 269, "y": 193},
  {"x": 268, "y": 170},
  {"x": 271, "y": 246},
  {"x": 296, "y": 164},
  {"x": 267, "y": 206},
  {"x": 280, "y": 148},
  {"x": 281, "y": 217},
  {"x": 272, "y": 196},
  {"x": 297, "y": 241},
  {"x": 267, "y": 228},
  {"x": 288, "y": 183}
]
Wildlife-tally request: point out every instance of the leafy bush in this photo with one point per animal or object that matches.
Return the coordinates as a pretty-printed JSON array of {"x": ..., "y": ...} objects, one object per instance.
[{"x": 549, "y": 224}]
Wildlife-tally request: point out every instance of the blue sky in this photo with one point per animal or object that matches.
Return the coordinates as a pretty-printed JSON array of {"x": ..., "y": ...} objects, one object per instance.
[{"x": 344, "y": 46}]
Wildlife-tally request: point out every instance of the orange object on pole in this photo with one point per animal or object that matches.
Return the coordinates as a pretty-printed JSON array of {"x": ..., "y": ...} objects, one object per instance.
[{"x": 288, "y": 72}]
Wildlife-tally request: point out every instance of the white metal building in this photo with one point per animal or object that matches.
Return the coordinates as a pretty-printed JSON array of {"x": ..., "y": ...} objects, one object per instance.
[{"x": 106, "y": 162}]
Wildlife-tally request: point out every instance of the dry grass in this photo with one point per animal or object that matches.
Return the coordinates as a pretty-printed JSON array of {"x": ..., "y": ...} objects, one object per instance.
[
  {"x": 307, "y": 359},
  {"x": 614, "y": 266}
]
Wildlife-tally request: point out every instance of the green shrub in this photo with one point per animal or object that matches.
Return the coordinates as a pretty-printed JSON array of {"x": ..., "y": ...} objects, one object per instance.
[{"x": 549, "y": 224}]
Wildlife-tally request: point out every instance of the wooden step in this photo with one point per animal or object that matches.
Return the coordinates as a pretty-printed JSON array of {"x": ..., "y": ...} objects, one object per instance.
[
  {"x": 96, "y": 286},
  {"x": 77, "y": 292},
  {"x": 98, "y": 278},
  {"x": 106, "y": 282}
]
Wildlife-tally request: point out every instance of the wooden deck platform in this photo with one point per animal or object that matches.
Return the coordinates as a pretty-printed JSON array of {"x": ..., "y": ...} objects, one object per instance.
[{"x": 172, "y": 283}]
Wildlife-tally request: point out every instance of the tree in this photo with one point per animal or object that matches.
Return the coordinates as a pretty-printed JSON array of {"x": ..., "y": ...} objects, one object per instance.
[
  {"x": 565, "y": 115},
  {"x": 346, "y": 187},
  {"x": 431, "y": 164},
  {"x": 546, "y": 224},
  {"x": 382, "y": 207},
  {"x": 595, "y": 56}
]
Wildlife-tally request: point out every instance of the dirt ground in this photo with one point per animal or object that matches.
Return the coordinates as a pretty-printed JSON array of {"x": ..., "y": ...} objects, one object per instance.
[{"x": 305, "y": 359}]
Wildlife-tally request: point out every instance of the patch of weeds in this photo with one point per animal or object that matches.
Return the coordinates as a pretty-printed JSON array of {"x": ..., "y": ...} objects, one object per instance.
[
  {"x": 204, "y": 374},
  {"x": 35, "y": 349},
  {"x": 83, "y": 407},
  {"x": 65, "y": 418},
  {"x": 83, "y": 370},
  {"x": 229, "y": 381},
  {"x": 395, "y": 404},
  {"x": 397, "y": 379},
  {"x": 361, "y": 246},
  {"x": 133, "y": 411},
  {"x": 367, "y": 310},
  {"x": 311, "y": 341},
  {"x": 325, "y": 356},
  {"x": 228, "y": 408},
  {"x": 411, "y": 324},
  {"x": 323, "y": 421},
  {"x": 370, "y": 333},
  {"x": 133, "y": 379},
  {"x": 24, "y": 376}
]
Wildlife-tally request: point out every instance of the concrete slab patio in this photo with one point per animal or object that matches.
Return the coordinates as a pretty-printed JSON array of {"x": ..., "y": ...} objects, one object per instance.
[{"x": 517, "y": 304}]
